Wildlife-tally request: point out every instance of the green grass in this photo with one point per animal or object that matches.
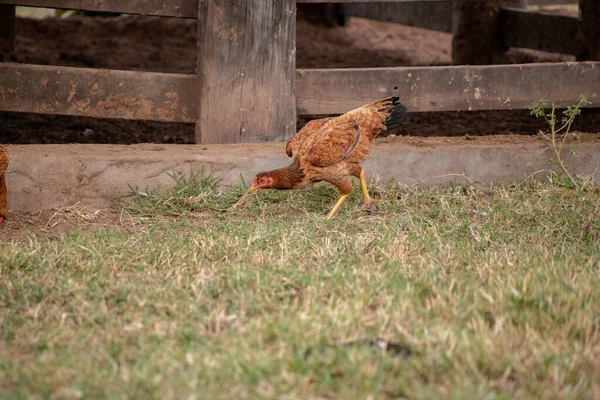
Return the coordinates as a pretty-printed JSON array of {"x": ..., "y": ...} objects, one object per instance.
[{"x": 219, "y": 295}]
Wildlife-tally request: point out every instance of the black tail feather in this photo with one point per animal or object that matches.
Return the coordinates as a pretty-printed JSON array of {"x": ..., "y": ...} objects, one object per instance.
[{"x": 396, "y": 111}]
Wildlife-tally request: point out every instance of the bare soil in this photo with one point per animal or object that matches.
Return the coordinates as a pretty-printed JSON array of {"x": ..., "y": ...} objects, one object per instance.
[
  {"x": 24, "y": 227},
  {"x": 168, "y": 45},
  {"x": 498, "y": 139}
]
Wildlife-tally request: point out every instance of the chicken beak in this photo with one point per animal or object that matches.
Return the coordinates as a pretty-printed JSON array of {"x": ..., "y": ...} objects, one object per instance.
[{"x": 252, "y": 189}]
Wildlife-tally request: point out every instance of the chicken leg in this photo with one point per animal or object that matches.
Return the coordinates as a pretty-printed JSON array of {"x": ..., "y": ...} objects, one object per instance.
[
  {"x": 363, "y": 188},
  {"x": 337, "y": 206}
]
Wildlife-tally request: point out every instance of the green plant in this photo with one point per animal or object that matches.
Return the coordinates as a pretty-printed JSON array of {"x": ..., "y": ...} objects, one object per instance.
[
  {"x": 560, "y": 131},
  {"x": 193, "y": 193}
]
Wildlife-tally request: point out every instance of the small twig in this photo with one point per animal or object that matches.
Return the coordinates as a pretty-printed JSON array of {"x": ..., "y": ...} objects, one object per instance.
[
  {"x": 241, "y": 201},
  {"x": 463, "y": 175}
]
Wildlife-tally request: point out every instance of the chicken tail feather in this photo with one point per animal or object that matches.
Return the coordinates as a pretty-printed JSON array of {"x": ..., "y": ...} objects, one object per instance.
[{"x": 393, "y": 110}]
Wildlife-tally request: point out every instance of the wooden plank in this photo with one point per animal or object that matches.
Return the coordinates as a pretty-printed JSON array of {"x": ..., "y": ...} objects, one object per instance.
[
  {"x": 97, "y": 93},
  {"x": 172, "y": 97},
  {"x": 494, "y": 87},
  {"x": 7, "y": 31},
  {"x": 475, "y": 32},
  {"x": 246, "y": 63},
  {"x": 166, "y": 8},
  {"x": 189, "y": 8},
  {"x": 433, "y": 15},
  {"x": 589, "y": 34},
  {"x": 539, "y": 31}
]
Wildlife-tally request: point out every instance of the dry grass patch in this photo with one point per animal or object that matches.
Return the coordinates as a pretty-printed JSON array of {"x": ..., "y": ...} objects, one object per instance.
[{"x": 216, "y": 295}]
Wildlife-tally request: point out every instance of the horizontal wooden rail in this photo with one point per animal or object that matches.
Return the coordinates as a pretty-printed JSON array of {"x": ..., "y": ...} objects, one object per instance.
[
  {"x": 448, "y": 88},
  {"x": 165, "y": 8},
  {"x": 173, "y": 97},
  {"x": 539, "y": 31},
  {"x": 98, "y": 93}
]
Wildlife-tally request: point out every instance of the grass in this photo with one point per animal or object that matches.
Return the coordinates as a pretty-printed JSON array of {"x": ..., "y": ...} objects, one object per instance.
[{"x": 220, "y": 295}]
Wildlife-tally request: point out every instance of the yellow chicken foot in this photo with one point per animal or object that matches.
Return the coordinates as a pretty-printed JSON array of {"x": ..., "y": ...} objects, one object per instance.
[
  {"x": 363, "y": 188},
  {"x": 337, "y": 206}
]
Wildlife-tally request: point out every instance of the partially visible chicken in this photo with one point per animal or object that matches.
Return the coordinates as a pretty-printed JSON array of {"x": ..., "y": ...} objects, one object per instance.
[
  {"x": 333, "y": 149},
  {"x": 3, "y": 194}
]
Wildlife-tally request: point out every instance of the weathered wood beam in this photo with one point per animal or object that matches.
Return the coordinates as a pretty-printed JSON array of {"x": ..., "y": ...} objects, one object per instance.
[
  {"x": 7, "y": 31},
  {"x": 246, "y": 64},
  {"x": 589, "y": 33},
  {"x": 189, "y": 8},
  {"x": 539, "y": 31},
  {"x": 97, "y": 93},
  {"x": 165, "y": 8},
  {"x": 452, "y": 88},
  {"x": 173, "y": 97}
]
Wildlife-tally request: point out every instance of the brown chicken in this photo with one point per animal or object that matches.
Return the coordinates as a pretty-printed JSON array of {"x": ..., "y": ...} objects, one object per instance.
[
  {"x": 3, "y": 194},
  {"x": 333, "y": 149}
]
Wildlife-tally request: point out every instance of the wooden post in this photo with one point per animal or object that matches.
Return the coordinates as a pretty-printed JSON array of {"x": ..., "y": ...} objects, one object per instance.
[
  {"x": 475, "y": 32},
  {"x": 334, "y": 15},
  {"x": 589, "y": 30},
  {"x": 330, "y": 19},
  {"x": 7, "y": 31},
  {"x": 246, "y": 69}
]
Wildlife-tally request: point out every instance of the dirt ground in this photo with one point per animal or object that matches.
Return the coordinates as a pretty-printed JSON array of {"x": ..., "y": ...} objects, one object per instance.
[
  {"x": 168, "y": 45},
  {"x": 23, "y": 227}
]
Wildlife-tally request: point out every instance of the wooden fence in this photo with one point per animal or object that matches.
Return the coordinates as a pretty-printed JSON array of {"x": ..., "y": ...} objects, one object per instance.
[
  {"x": 437, "y": 15},
  {"x": 250, "y": 90}
]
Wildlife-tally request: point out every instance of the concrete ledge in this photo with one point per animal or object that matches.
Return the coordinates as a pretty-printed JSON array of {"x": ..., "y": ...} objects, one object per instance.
[{"x": 47, "y": 176}]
